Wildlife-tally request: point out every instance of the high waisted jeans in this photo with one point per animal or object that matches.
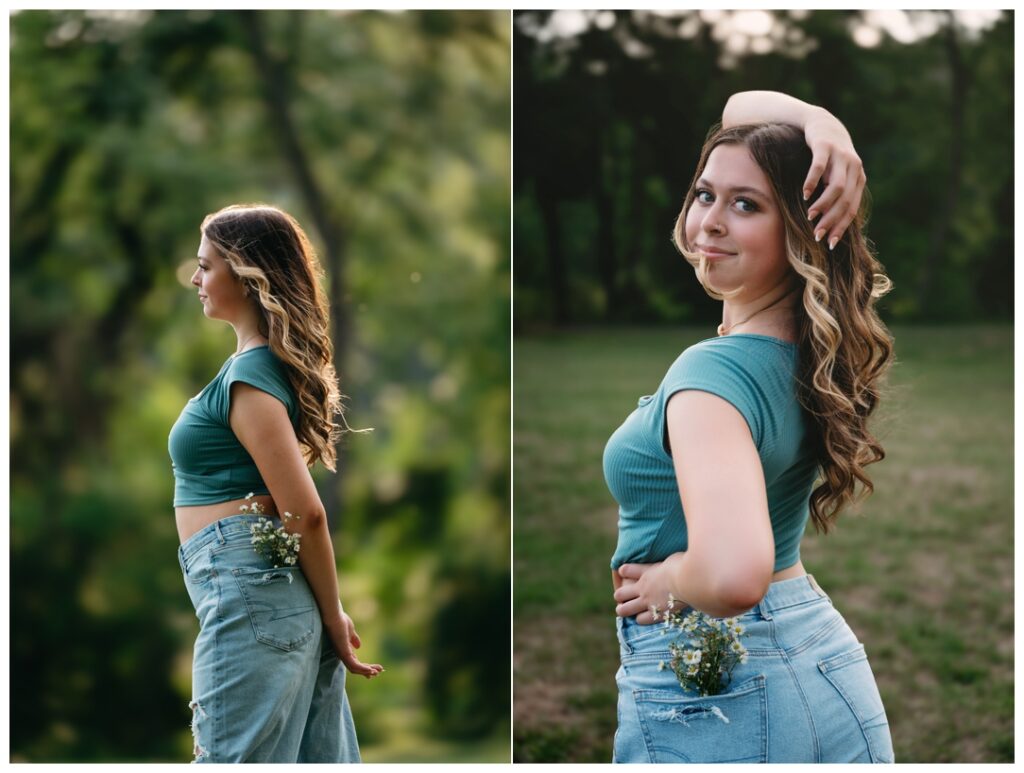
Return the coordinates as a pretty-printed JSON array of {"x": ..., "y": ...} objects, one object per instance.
[
  {"x": 267, "y": 685},
  {"x": 805, "y": 694}
]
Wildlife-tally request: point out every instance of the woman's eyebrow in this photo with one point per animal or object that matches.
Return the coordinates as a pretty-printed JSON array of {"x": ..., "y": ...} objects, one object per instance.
[{"x": 737, "y": 189}]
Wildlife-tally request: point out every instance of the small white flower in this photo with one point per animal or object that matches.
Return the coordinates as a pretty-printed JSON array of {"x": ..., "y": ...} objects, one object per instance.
[
  {"x": 661, "y": 665},
  {"x": 738, "y": 629},
  {"x": 249, "y": 495},
  {"x": 691, "y": 657}
]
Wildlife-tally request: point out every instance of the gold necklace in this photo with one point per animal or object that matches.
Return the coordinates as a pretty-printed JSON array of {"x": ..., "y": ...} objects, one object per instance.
[
  {"x": 723, "y": 330},
  {"x": 247, "y": 340}
]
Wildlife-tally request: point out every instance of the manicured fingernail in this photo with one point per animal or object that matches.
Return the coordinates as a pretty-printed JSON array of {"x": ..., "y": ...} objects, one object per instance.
[
  {"x": 832, "y": 242},
  {"x": 811, "y": 215},
  {"x": 818, "y": 235},
  {"x": 806, "y": 195}
]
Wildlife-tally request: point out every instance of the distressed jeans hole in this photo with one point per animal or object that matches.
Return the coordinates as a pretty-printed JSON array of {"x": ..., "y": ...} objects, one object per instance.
[{"x": 197, "y": 712}]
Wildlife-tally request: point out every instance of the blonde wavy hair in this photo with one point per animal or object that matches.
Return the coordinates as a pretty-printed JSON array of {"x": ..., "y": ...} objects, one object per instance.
[
  {"x": 280, "y": 272},
  {"x": 845, "y": 349}
]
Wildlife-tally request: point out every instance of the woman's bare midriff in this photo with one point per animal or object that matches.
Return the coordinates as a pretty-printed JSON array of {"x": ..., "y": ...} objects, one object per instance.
[
  {"x": 796, "y": 570},
  {"x": 192, "y": 518}
]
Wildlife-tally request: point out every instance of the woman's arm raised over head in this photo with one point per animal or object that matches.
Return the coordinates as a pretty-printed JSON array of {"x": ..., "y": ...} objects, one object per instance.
[
  {"x": 835, "y": 161},
  {"x": 261, "y": 424},
  {"x": 765, "y": 106}
]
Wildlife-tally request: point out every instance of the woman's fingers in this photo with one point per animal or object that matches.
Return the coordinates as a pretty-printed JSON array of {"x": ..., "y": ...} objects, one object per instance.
[
  {"x": 824, "y": 205},
  {"x": 839, "y": 202},
  {"x": 626, "y": 592},
  {"x": 646, "y": 618},
  {"x": 855, "y": 189},
  {"x": 356, "y": 666},
  {"x": 633, "y": 571},
  {"x": 833, "y": 223},
  {"x": 630, "y": 608},
  {"x": 818, "y": 165}
]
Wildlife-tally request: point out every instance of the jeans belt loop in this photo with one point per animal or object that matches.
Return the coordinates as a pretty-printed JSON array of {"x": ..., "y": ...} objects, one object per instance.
[{"x": 220, "y": 534}]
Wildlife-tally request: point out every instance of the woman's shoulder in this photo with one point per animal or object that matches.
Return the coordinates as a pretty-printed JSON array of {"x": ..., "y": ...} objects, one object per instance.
[
  {"x": 260, "y": 367},
  {"x": 256, "y": 358},
  {"x": 743, "y": 352},
  {"x": 756, "y": 365}
]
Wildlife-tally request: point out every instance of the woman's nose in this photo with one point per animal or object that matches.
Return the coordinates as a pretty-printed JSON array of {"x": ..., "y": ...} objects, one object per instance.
[{"x": 712, "y": 221}]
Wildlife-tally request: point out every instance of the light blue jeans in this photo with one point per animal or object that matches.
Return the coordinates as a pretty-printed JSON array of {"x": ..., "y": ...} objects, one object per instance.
[
  {"x": 267, "y": 685},
  {"x": 805, "y": 694}
]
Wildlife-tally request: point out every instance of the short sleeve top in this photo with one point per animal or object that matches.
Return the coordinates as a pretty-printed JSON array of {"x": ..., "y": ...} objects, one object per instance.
[
  {"x": 757, "y": 375},
  {"x": 208, "y": 462}
]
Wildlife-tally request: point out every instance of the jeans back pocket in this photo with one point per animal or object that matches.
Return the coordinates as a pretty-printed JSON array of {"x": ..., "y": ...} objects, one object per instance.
[
  {"x": 730, "y": 727},
  {"x": 280, "y": 605},
  {"x": 850, "y": 673}
]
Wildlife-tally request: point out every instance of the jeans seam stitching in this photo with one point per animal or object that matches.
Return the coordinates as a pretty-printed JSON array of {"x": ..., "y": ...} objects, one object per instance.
[
  {"x": 815, "y": 638},
  {"x": 800, "y": 691}
]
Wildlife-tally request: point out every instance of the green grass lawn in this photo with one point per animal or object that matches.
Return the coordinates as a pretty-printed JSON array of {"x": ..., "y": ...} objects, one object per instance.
[{"x": 922, "y": 570}]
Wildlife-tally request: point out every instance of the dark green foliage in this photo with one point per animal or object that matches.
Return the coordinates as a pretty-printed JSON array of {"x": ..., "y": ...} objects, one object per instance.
[
  {"x": 386, "y": 135},
  {"x": 610, "y": 123}
]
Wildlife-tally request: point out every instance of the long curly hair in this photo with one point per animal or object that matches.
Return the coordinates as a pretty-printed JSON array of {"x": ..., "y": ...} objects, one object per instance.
[
  {"x": 281, "y": 274},
  {"x": 845, "y": 349}
]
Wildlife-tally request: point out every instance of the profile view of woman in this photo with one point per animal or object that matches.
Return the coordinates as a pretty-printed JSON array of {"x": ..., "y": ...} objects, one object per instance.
[
  {"x": 735, "y": 437},
  {"x": 268, "y": 674}
]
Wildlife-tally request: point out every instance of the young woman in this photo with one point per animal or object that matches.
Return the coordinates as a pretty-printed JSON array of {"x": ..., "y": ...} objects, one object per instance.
[
  {"x": 267, "y": 682},
  {"x": 735, "y": 437}
]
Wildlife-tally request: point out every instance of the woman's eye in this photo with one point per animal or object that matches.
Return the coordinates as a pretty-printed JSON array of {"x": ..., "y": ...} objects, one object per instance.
[{"x": 752, "y": 206}]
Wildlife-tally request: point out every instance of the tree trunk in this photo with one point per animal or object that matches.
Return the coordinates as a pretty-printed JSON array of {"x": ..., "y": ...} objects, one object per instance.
[
  {"x": 276, "y": 92},
  {"x": 933, "y": 258},
  {"x": 556, "y": 260}
]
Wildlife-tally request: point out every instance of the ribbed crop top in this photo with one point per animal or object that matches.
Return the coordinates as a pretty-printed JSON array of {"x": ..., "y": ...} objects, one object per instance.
[
  {"x": 756, "y": 374},
  {"x": 209, "y": 463}
]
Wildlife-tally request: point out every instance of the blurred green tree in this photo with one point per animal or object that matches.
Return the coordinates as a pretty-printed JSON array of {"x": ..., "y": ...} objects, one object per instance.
[{"x": 387, "y": 135}]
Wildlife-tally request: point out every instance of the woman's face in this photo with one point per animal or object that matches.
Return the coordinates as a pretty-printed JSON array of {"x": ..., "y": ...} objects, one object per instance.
[
  {"x": 745, "y": 223},
  {"x": 219, "y": 289}
]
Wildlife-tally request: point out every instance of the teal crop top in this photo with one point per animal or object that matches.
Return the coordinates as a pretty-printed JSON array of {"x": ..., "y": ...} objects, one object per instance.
[
  {"x": 756, "y": 374},
  {"x": 209, "y": 463}
]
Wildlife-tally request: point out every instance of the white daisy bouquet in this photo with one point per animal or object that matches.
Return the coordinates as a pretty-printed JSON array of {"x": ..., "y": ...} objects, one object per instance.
[
  {"x": 276, "y": 545},
  {"x": 704, "y": 662}
]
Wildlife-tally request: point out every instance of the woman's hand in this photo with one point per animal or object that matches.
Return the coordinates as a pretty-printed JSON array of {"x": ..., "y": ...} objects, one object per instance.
[
  {"x": 644, "y": 585},
  {"x": 837, "y": 164},
  {"x": 345, "y": 641}
]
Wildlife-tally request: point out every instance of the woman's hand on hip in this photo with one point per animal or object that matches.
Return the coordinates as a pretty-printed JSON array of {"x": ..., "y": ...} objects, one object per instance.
[
  {"x": 644, "y": 586},
  {"x": 836, "y": 164},
  {"x": 345, "y": 640}
]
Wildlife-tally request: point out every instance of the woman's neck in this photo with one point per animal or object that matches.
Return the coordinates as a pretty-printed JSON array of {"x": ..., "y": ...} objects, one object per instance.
[{"x": 773, "y": 314}]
